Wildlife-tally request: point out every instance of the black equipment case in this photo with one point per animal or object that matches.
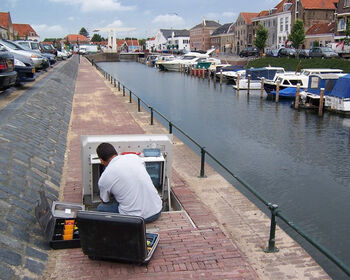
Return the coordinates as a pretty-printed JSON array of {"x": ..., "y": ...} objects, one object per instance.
[
  {"x": 55, "y": 219},
  {"x": 118, "y": 237}
]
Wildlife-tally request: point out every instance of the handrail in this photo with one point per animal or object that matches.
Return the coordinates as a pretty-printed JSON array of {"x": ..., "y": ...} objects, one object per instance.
[{"x": 275, "y": 212}]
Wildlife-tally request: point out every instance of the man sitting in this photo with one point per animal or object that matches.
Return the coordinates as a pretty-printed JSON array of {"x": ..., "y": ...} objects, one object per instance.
[{"x": 125, "y": 178}]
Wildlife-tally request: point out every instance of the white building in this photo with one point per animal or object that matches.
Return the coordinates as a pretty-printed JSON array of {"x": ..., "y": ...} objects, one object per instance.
[
  {"x": 151, "y": 44},
  {"x": 171, "y": 39},
  {"x": 278, "y": 22}
]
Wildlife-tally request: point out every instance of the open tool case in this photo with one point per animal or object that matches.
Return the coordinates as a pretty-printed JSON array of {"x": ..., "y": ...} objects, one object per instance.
[
  {"x": 110, "y": 236},
  {"x": 58, "y": 222}
]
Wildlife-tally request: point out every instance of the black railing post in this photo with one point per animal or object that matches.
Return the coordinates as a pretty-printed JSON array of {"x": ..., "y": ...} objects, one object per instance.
[
  {"x": 115, "y": 82},
  {"x": 151, "y": 115},
  {"x": 123, "y": 90},
  {"x": 111, "y": 79},
  {"x": 271, "y": 247},
  {"x": 118, "y": 86},
  {"x": 202, "y": 175},
  {"x": 138, "y": 104},
  {"x": 170, "y": 128},
  {"x": 130, "y": 93}
]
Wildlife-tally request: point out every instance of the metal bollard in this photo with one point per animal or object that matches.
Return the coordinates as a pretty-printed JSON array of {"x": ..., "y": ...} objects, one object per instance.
[
  {"x": 202, "y": 175},
  {"x": 123, "y": 90},
  {"x": 130, "y": 100},
  {"x": 115, "y": 82},
  {"x": 151, "y": 115},
  {"x": 170, "y": 128},
  {"x": 272, "y": 248},
  {"x": 249, "y": 77},
  {"x": 138, "y": 104}
]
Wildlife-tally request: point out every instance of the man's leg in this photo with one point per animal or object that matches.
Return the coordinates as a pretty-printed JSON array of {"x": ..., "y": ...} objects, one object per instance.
[
  {"x": 153, "y": 218},
  {"x": 108, "y": 207}
]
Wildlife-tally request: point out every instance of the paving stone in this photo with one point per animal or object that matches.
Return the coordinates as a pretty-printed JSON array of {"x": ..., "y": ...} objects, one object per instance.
[
  {"x": 34, "y": 266},
  {"x": 10, "y": 257},
  {"x": 31, "y": 252},
  {"x": 6, "y": 272},
  {"x": 9, "y": 241},
  {"x": 20, "y": 234}
]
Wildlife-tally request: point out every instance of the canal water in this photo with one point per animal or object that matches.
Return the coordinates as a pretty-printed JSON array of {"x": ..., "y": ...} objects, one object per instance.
[{"x": 294, "y": 159}]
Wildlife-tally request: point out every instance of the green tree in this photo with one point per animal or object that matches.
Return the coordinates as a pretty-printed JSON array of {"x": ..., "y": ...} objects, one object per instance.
[
  {"x": 96, "y": 38},
  {"x": 142, "y": 43},
  {"x": 261, "y": 36},
  {"x": 297, "y": 35},
  {"x": 84, "y": 32}
]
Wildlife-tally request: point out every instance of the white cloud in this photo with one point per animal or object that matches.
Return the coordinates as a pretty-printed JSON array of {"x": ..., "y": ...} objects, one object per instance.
[
  {"x": 169, "y": 19},
  {"x": 147, "y": 12},
  {"x": 116, "y": 23},
  {"x": 45, "y": 30},
  {"x": 94, "y": 5},
  {"x": 71, "y": 18}
]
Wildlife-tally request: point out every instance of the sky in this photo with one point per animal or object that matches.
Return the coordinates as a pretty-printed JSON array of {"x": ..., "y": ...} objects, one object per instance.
[{"x": 142, "y": 18}]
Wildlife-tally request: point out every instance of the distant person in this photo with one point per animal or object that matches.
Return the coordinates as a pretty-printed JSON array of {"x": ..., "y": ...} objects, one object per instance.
[{"x": 125, "y": 186}]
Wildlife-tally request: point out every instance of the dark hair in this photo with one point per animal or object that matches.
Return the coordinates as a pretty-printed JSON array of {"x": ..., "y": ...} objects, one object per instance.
[{"x": 105, "y": 151}]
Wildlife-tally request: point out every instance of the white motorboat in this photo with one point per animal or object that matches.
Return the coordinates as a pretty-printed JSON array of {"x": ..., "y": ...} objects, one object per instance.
[
  {"x": 256, "y": 74},
  {"x": 187, "y": 60},
  {"x": 291, "y": 79}
]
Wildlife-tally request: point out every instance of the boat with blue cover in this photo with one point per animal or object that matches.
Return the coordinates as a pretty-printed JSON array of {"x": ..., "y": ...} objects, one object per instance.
[{"x": 338, "y": 100}]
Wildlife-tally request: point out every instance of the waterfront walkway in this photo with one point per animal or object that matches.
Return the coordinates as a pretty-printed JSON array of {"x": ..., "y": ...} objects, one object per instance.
[{"x": 220, "y": 236}]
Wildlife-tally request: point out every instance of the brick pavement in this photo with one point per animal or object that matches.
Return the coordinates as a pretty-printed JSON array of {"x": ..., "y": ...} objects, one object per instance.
[
  {"x": 229, "y": 233},
  {"x": 201, "y": 252},
  {"x": 33, "y": 132}
]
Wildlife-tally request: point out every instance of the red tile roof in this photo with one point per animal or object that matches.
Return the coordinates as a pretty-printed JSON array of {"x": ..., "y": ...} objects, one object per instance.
[
  {"x": 76, "y": 37},
  {"x": 263, "y": 13},
  {"x": 128, "y": 42},
  {"x": 319, "y": 4},
  {"x": 4, "y": 20},
  {"x": 24, "y": 30},
  {"x": 321, "y": 28},
  {"x": 248, "y": 17}
]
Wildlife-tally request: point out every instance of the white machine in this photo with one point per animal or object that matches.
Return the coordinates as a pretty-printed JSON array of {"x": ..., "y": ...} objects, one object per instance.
[{"x": 155, "y": 150}]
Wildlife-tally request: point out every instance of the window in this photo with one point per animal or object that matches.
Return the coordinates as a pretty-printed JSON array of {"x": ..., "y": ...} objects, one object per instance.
[
  {"x": 314, "y": 82},
  {"x": 286, "y": 24},
  {"x": 281, "y": 24},
  {"x": 341, "y": 24},
  {"x": 346, "y": 3},
  {"x": 185, "y": 41}
]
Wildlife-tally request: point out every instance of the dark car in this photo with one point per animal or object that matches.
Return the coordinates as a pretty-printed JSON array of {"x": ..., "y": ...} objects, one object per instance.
[
  {"x": 287, "y": 52},
  {"x": 25, "y": 70},
  {"x": 304, "y": 53},
  {"x": 271, "y": 53},
  {"x": 7, "y": 74},
  {"x": 323, "y": 52},
  {"x": 249, "y": 51},
  {"x": 45, "y": 48}
]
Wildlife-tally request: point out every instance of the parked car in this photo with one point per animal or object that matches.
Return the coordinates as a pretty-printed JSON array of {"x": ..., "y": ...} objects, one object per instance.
[
  {"x": 323, "y": 52},
  {"x": 249, "y": 51},
  {"x": 34, "y": 46},
  {"x": 25, "y": 71},
  {"x": 7, "y": 73},
  {"x": 61, "y": 55},
  {"x": 38, "y": 60},
  {"x": 304, "y": 53},
  {"x": 271, "y": 53},
  {"x": 45, "y": 48},
  {"x": 287, "y": 52}
]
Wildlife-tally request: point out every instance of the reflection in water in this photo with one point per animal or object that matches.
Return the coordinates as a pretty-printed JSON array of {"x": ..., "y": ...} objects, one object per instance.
[{"x": 294, "y": 158}]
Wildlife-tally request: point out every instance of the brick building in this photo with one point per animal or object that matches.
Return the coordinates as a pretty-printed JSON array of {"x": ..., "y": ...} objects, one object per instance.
[
  {"x": 342, "y": 18},
  {"x": 25, "y": 32},
  {"x": 323, "y": 33},
  {"x": 76, "y": 39},
  {"x": 6, "y": 28},
  {"x": 200, "y": 35},
  {"x": 222, "y": 38},
  {"x": 243, "y": 31},
  {"x": 312, "y": 12}
]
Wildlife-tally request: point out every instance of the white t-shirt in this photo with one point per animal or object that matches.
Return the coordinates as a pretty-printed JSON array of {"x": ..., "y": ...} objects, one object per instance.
[{"x": 126, "y": 178}]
